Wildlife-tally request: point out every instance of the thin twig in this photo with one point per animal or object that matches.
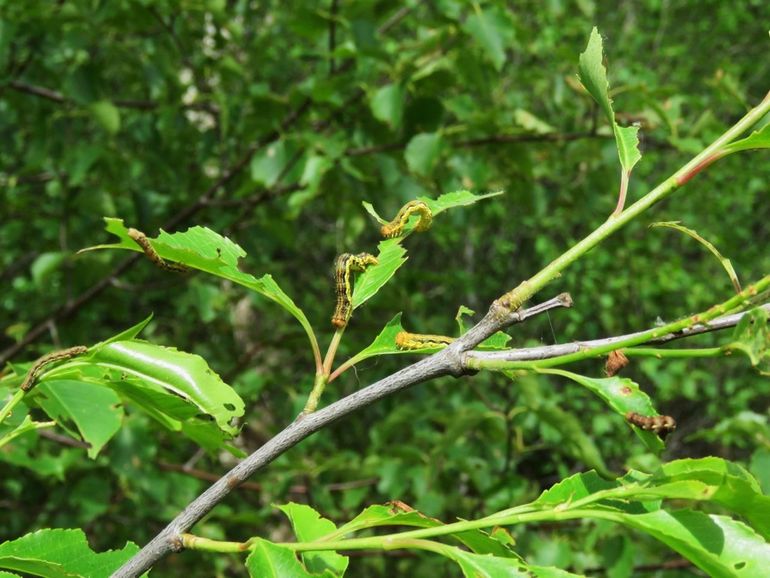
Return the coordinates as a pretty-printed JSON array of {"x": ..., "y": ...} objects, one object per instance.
[{"x": 550, "y": 351}]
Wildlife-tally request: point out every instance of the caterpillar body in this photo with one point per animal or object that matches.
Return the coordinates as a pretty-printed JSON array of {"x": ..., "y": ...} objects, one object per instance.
[
  {"x": 141, "y": 239},
  {"x": 396, "y": 227},
  {"x": 659, "y": 424},
  {"x": 406, "y": 341},
  {"x": 345, "y": 265},
  {"x": 616, "y": 361},
  {"x": 39, "y": 365}
]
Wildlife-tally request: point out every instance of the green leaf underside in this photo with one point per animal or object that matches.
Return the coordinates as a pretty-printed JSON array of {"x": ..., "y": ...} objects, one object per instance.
[
  {"x": 58, "y": 552},
  {"x": 390, "y": 258},
  {"x": 726, "y": 263},
  {"x": 593, "y": 76},
  {"x": 309, "y": 526},
  {"x": 752, "y": 338},
  {"x": 184, "y": 374},
  {"x": 94, "y": 409},
  {"x": 203, "y": 249},
  {"x": 623, "y": 396}
]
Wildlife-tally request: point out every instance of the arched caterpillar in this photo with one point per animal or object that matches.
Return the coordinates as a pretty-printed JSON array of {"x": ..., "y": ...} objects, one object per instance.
[
  {"x": 659, "y": 424},
  {"x": 406, "y": 341},
  {"x": 37, "y": 367},
  {"x": 345, "y": 265},
  {"x": 142, "y": 240},
  {"x": 396, "y": 227}
]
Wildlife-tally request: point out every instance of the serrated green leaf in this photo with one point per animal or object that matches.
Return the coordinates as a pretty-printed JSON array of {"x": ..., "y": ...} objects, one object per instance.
[
  {"x": 268, "y": 560},
  {"x": 423, "y": 152},
  {"x": 752, "y": 338},
  {"x": 627, "y": 140},
  {"x": 389, "y": 260},
  {"x": 309, "y": 526},
  {"x": 203, "y": 249},
  {"x": 107, "y": 115},
  {"x": 184, "y": 374},
  {"x": 759, "y": 139},
  {"x": 593, "y": 76},
  {"x": 718, "y": 545},
  {"x": 65, "y": 551},
  {"x": 388, "y": 105},
  {"x": 94, "y": 409},
  {"x": 623, "y": 396},
  {"x": 726, "y": 264}
]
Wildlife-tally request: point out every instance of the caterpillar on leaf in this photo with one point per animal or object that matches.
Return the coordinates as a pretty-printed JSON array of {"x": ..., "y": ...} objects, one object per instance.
[
  {"x": 396, "y": 227},
  {"x": 141, "y": 239},
  {"x": 658, "y": 424},
  {"x": 345, "y": 265},
  {"x": 39, "y": 365},
  {"x": 406, "y": 341}
]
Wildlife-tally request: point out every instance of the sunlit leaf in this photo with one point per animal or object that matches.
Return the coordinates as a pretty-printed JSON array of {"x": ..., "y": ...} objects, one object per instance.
[
  {"x": 389, "y": 259},
  {"x": 268, "y": 560},
  {"x": 64, "y": 553},
  {"x": 309, "y": 526}
]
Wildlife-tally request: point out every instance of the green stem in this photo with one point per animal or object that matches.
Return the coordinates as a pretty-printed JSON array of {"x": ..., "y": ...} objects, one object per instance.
[
  {"x": 19, "y": 430},
  {"x": 661, "y": 353},
  {"x": 322, "y": 378},
  {"x": 193, "y": 542},
  {"x": 516, "y": 297},
  {"x": 13, "y": 402},
  {"x": 674, "y": 327}
]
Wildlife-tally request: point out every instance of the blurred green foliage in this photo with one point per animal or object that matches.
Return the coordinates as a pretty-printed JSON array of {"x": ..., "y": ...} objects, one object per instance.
[{"x": 270, "y": 122}]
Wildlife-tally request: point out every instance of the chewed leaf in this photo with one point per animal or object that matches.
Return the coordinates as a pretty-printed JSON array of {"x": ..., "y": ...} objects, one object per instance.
[
  {"x": 309, "y": 526},
  {"x": 726, "y": 264},
  {"x": 752, "y": 338},
  {"x": 390, "y": 258},
  {"x": 370, "y": 209},
  {"x": 622, "y": 395},
  {"x": 203, "y": 249},
  {"x": 181, "y": 373},
  {"x": 593, "y": 76}
]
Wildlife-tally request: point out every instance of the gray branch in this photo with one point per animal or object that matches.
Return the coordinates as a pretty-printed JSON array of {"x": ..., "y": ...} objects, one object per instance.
[{"x": 446, "y": 362}]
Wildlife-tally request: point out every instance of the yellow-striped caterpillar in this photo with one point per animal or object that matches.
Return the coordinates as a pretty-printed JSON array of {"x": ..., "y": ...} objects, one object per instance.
[
  {"x": 659, "y": 424},
  {"x": 142, "y": 240},
  {"x": 396, "y": 227},
  {"x": 345, "y": 265},
  {"x": 406, "y": 341},
  {"x": 39, "y": 365}
]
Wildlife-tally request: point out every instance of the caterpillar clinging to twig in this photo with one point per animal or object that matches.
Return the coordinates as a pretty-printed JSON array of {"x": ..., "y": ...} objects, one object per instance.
[
  {"x": 345, "y": 265},
  {"x": 396, "y": 226},
  {"x": 142, "y": 240},
  {"x": 39, "y": 365},
  {"x": 659, "y": 424},
  {"x": 406, "y": 341}
]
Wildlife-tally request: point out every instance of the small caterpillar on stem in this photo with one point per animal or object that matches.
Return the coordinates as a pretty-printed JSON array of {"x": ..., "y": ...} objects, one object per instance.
[
  {"x": 659, "y": 424},
  {"x": 37, "y": 367},
  {"x": 406, "y": 341},
  {"x": 396, "y": 227},
  {"x": 345, "y": 265},
  {"x": 142, "y": 240}
]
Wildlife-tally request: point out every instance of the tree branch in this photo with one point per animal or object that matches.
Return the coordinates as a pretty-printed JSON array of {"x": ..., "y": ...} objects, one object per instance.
[
  {"x": 445, "y": 362},
  {"x": 551, "y": 351}
]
